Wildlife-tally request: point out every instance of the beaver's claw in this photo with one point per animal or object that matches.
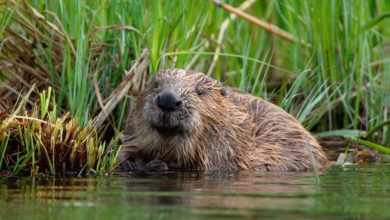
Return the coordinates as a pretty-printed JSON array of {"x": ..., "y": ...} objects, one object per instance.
[
  {"x": 156, "y": 165},
  {"x": 126, "y": 166}
]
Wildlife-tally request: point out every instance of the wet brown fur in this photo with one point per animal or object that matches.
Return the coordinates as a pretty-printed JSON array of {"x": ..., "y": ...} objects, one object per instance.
[{"x": 226, "y": 129}]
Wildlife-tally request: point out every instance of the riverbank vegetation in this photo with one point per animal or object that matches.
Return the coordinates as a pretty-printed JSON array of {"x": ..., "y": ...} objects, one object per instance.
[{"x": 68, "y": 70}]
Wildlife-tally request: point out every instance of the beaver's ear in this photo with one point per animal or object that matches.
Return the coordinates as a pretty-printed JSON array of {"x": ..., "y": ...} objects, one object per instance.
[
  {"x": 157, "y": 74},
  {"x": 223, "y": 91}
]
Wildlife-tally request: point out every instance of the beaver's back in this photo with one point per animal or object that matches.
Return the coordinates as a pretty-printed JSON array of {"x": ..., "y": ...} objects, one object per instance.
[{"x": 280, "y": 141}]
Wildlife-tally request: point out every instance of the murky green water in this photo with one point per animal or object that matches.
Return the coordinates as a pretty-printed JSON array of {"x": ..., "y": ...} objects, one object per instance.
[{"x": 354, "y": 191}]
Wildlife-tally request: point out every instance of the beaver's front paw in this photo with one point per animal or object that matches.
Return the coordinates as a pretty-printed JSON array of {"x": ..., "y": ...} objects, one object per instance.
[
  {"x": 126, "y": 166},
  {"x": 156, "y": 165}
]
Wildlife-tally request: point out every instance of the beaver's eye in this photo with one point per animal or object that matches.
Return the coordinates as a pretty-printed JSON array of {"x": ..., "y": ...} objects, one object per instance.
[
  {"x": 223, "y": 92},
  {"x": 200, "y": 92},
  {"x": 155, "y": 85}
]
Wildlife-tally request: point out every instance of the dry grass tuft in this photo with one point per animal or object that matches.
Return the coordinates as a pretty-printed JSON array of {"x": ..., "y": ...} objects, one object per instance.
[{"x": 32, "y": 144}]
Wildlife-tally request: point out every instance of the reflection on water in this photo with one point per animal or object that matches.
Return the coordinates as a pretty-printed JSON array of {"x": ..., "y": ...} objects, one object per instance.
[{"x": 355, "y": 191}]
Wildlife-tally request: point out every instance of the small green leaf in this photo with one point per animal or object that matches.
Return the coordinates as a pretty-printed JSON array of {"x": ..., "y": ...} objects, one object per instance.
[
  {"x": 342, "y": 132},
  {"x": 374, "y": 21},
  {"x": 372, "y": 145},
  {"x": 376, "y": 127}
]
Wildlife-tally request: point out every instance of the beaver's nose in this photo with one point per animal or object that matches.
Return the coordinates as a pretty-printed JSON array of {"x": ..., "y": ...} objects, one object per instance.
[{"x": 168, "y": 102}]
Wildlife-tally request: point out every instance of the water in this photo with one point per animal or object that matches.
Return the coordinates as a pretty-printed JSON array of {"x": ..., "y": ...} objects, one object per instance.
[{"x": 353, "y": 191}]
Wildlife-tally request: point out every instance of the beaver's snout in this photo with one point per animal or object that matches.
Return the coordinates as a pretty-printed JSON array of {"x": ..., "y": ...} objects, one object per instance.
[{"x": 168, "y": 102}]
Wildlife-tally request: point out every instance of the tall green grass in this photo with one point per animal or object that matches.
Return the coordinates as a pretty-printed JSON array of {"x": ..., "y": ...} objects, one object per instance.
[{"x": 341, "y": 82}]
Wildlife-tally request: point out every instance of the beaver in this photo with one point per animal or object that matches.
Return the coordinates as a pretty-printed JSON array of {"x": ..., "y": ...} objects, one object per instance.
[{"x": 187, "y": 120}]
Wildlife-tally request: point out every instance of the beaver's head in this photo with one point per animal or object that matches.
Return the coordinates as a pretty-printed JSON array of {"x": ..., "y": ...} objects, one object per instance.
[{"x": 180, "y": 103}]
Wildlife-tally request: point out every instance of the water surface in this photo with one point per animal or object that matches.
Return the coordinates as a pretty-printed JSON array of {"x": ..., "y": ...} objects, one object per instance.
[{"x": 353, "y": 191}]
